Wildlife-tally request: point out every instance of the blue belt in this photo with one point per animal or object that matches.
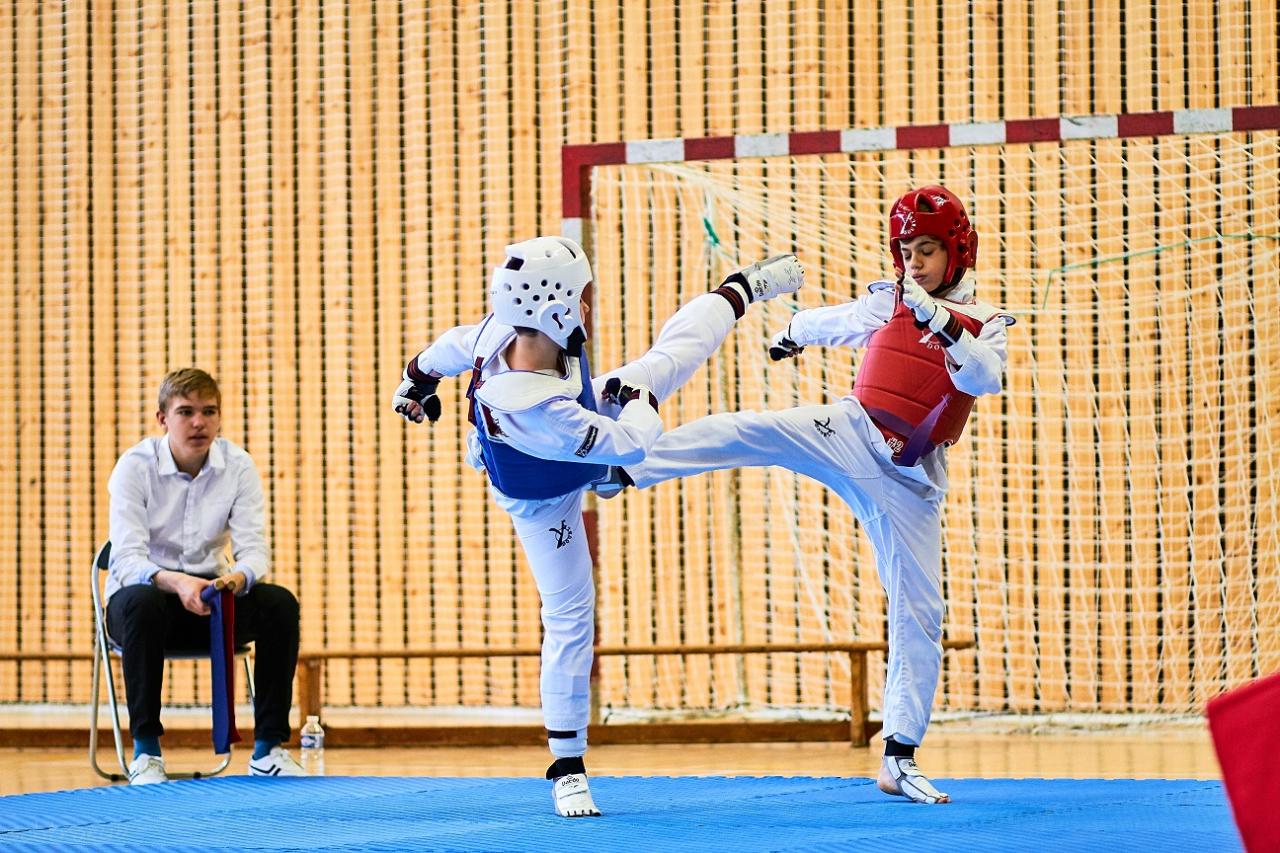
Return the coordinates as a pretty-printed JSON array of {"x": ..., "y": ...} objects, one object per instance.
[{"x": 222, "y": 656}]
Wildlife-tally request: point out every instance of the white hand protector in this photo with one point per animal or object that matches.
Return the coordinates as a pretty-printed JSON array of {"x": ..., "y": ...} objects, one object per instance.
[
  {"x": 915, "y": 297},
  {"x": 415, "y": 397},
  {"x": 927, "y": 310},
  {"x": 781, "y": 346},
  {"x": 619, "y": 394},
  {"x": 937, "y": 319}
]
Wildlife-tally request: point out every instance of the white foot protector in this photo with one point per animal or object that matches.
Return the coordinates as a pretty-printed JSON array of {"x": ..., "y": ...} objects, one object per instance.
[
  {"x": 901, "y": 777},
  {"x": 771, "y": 277},
  {"x": 572, "y": 796}
]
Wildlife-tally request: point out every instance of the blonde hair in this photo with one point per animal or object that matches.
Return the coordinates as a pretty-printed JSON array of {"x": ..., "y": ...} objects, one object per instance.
[{"x": 188, "y": 382}]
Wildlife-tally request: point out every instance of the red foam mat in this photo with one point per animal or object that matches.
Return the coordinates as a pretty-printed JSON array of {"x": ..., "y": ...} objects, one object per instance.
[{"x": 1245, "y": 723}]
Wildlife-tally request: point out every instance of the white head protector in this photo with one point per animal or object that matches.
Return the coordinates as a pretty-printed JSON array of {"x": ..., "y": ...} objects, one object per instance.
[{"x": 539, "y": 286}]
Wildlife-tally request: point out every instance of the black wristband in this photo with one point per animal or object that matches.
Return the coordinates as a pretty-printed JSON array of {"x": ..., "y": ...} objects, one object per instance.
[
  {"x": 417, "y": 375},
  {"x": 734, "y": 296},
  {"x": 951, "y": 332}
]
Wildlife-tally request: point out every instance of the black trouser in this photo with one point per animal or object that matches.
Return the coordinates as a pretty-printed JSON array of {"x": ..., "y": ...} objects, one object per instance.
[{"x": 145, "y": 621}]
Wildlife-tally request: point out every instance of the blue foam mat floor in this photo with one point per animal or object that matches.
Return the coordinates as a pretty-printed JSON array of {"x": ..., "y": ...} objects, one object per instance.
[{"x": 641, "y": 814}]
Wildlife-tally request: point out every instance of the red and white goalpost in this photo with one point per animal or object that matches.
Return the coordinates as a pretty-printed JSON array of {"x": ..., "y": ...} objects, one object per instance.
[
  {"x": 1111, "y": 534},
  {"x": 578, "y": 161}
]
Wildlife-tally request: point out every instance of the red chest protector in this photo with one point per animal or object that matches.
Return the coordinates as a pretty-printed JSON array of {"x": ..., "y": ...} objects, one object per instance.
[{"x": 904, "y": 385}]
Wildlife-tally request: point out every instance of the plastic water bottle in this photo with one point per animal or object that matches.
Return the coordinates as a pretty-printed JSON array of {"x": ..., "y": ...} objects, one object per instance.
[{"x": 312, "y": 742}]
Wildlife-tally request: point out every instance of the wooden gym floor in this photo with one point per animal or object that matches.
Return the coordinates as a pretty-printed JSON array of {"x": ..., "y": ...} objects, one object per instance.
[{"x": 954, "y": 749}]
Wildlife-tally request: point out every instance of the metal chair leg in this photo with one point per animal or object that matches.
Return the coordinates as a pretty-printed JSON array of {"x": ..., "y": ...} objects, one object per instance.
[
  {"x": 102, "y": 659},
  {"x": 248, "y": 680}
]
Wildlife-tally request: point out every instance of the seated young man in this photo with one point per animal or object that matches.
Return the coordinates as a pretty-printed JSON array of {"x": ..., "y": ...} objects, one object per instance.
[{"x": 177, "y": 500}]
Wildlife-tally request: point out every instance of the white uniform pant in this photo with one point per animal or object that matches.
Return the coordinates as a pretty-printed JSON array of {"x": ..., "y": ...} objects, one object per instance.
[
  {"x": 900, "y": 508},
  {"x": 551, "y": 532}
]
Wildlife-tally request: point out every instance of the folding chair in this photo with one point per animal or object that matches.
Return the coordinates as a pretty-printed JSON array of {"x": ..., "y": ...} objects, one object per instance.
[{"x": 104, "y": 648}]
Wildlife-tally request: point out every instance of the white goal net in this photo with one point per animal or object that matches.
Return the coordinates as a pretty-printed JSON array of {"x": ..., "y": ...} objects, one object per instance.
[{"x": 1111, "y": 534}]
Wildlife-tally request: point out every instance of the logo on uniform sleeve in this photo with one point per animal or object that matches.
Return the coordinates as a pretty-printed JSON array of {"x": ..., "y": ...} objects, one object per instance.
[
  {"x": 564, "y": 535},
  {"x": 824, "y": 427},
  {"x": 588, "y": 442}
]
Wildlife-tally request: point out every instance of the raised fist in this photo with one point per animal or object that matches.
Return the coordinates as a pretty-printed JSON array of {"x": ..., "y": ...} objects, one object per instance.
[
  {"x": 616, "y": 392},
  {"x": 781, "y": 346},
  {"x": 415, "y": 397},
  {"x": 918, "y": 300}
]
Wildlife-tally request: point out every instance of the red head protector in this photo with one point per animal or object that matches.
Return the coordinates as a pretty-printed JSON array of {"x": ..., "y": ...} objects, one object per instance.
[{"x": 936, "y": 212}]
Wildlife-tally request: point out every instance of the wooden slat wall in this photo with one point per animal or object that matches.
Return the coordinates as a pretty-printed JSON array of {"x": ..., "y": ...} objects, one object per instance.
[
  {"x": 10, "y": 476},
  {"x": 298, "y": 196},
  {"x": 75, "y": 127},
  {"x": 27, "y": 344},
  {"x": 388, "y": 585},
  {"x": 428, "y": 148}
]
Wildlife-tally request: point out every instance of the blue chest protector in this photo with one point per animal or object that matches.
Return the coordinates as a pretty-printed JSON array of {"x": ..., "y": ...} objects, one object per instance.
[{"x": 517, "y": 474}]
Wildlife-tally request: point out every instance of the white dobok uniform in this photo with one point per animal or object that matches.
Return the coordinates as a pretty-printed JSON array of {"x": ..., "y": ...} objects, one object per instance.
[
  {"x": 543, "y": 416},
  {"x": 839, "y": 445}
]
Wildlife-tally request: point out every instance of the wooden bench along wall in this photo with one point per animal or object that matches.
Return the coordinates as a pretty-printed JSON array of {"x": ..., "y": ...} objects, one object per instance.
[
  {"x": 858, "y": 730},
  {"x": 309, "y": 700}
]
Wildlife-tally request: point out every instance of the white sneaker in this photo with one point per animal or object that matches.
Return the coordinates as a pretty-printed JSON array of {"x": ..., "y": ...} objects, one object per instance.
[
  {"x": 572, "y": 796},
  {"x": 277, "y": 762},
  {"x": 901, "y": 777},
  {"x": 147, "y": 770},
  {"x": 771, "y": 277}
]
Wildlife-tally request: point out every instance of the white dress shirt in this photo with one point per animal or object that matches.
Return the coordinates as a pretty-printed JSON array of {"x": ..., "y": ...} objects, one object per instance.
[{"x": 162, "y": 518}]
